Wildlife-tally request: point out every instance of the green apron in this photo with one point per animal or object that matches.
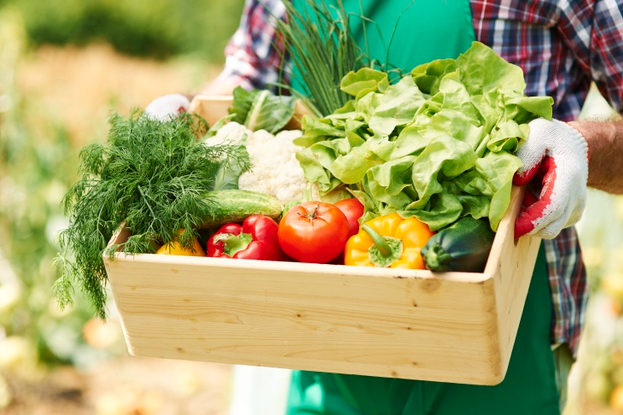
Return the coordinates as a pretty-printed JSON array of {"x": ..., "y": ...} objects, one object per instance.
[{"x": 430, "y": 30}]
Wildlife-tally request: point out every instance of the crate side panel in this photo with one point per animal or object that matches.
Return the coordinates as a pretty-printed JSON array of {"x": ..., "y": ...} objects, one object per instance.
[
  {"x": 511, "y": 263},
  {"x": 512, "y": 282},
  {"x": 424, "y": 328}
]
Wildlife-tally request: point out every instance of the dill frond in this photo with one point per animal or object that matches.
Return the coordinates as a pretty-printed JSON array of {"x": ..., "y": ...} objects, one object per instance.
[{"x": 153, "y": 176}]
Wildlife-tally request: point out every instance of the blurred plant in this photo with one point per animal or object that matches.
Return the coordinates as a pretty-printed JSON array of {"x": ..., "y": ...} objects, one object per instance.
[
  {"x": 155, "y": 28},
  {"x": 35, "y": 173},
  {"x": 599, "y": 372}
]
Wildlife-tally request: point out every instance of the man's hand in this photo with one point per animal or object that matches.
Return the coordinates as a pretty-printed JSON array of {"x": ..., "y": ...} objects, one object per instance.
[
  {"x": 555, "y": 158},
  {"x": 167, "y": 106}
]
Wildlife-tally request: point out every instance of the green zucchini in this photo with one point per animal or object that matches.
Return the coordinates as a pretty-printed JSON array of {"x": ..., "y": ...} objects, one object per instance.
[
  {"x": 234, "y": 205},
  {"x": 463, "y": 246}
]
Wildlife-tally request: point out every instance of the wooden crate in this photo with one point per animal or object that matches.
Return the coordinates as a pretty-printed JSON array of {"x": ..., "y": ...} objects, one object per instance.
[{"x": 411, "y": 324}]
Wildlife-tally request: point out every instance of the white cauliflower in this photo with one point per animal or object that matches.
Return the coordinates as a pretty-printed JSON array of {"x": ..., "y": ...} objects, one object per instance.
[
  {"x": 275, "y": 169},
  {"x": 230, "y": 133}
]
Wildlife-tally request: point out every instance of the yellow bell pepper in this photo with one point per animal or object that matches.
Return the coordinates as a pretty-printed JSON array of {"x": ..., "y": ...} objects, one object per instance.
[
  {"x": 388, "y": 241},
  {"x": 176, "y": 248}
]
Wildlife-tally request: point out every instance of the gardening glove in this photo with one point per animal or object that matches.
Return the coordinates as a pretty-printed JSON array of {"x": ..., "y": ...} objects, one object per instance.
[
  {"x": 167, "y": 106},
  {"x": 555, "y": 158}
]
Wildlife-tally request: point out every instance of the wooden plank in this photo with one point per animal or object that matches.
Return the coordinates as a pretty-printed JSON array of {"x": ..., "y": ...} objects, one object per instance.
[
  {"x": 303, "y": 317},
  {"x": 211, "y": 108},
  {"x": 214, "y": 107},
  {"x": 512, "y": 263}
]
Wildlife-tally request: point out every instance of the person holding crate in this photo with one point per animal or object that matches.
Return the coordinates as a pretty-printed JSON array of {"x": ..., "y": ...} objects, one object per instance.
[{"x": 562, "y": 47}]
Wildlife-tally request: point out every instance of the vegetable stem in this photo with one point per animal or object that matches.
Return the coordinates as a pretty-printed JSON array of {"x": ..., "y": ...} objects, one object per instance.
[
  {"x": 379, "y": 240},
  {"x": 322, "y": 51}
]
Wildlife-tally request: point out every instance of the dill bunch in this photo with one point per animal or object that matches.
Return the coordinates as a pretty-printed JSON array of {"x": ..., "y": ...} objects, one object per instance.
[{"x": 154, "y": 176}]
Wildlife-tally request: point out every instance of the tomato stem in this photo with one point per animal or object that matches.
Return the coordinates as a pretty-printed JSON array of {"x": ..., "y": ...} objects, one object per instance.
[{"x": 310, "y": 215}]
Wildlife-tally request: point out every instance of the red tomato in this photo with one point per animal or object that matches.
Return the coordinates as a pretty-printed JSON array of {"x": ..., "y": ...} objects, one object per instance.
[
  {"x": 313, "y": 232},
  {"x": 353, "y": 210}
]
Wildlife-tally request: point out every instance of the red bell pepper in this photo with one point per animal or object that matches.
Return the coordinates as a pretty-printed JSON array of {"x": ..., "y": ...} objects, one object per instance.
[{"x": 256, "y": 238}]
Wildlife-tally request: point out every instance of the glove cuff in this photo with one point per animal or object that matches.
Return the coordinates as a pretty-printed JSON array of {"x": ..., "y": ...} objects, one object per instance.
[{"x": 557, "y": 139}]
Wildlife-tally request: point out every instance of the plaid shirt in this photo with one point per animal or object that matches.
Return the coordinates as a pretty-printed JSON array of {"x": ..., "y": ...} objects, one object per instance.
[
  {"x": 254, "y": 55},
  {"x": 561, "y": 46}
]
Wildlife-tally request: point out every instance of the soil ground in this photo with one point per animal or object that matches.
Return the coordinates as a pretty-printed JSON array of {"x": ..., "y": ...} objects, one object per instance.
[{"x": 125, "y": 386}]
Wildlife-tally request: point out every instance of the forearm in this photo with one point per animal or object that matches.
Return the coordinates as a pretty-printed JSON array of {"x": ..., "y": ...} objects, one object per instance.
[
  {"x": 220, "y": 86},
  {"x": 605, "y": 148}
]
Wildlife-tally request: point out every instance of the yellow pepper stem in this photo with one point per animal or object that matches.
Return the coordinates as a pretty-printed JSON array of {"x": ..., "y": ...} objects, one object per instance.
[
  {"x": 379, "y": 241},
  {"x": 385, "y": 250}
]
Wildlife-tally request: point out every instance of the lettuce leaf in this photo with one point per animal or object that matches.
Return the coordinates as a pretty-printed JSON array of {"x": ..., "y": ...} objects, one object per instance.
[{"x": 437, "y": 144}]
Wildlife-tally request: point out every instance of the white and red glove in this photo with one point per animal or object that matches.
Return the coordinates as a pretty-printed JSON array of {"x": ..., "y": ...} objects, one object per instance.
[
  {"x": 555, "y": 158},
  {"x": 167, "y": 107}
]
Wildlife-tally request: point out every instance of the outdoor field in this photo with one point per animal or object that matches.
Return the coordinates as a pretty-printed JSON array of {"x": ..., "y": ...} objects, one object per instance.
[{"x": 57, "y": 92}]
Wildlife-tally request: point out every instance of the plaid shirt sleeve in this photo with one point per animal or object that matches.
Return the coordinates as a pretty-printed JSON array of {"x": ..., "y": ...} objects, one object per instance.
[
  {"x": 593, "y": 29},
  {"x": 561, "y": 46},
  {"x": 254, "y": 54},
  {"x": 569, "y": 288}
]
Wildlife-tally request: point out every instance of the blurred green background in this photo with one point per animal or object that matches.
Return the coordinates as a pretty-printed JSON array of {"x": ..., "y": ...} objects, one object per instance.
[
  {"x": 158, "y": 28},
  {"x": 65, "y": 65}
]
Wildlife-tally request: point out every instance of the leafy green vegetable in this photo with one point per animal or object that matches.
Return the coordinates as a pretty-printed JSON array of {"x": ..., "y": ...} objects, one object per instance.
[
  {"x": 261, "y": 110},
  {"x": 437, "y": 144},
  {"x": 156, "y": 177}
]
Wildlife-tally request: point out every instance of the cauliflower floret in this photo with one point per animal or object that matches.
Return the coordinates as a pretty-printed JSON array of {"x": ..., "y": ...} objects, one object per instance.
[
  {"x": 275, "y": 169},
  {"x": 230, "y": 133}
]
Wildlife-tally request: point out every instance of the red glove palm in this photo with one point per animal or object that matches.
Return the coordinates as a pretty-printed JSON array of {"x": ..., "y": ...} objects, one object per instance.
[{"x": 555, "y": 158}]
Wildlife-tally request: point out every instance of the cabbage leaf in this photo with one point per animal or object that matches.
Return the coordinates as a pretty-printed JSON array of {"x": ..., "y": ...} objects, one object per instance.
[{"x": 261, "y": 110}]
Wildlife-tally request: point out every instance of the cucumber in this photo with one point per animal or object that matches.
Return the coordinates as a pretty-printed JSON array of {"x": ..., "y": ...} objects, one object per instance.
[
  {"x": 463, "y": 246},
  {"x": 234, "y": 205}
]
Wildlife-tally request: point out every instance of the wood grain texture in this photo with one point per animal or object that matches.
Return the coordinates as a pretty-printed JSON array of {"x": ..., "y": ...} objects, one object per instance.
[
  {"x": 212, "y": 108},
  {"x": 412, "y": 324}
]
